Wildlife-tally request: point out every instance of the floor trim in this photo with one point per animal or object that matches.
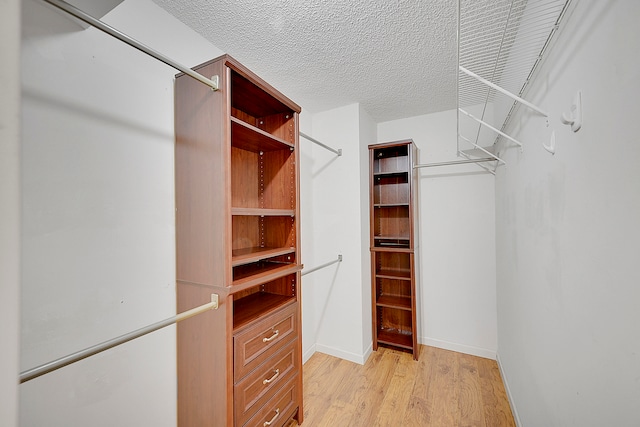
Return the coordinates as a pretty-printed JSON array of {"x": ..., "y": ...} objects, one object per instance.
[
  {"x": 460, "y": 348},
  {"x": 514, "y": 410}
]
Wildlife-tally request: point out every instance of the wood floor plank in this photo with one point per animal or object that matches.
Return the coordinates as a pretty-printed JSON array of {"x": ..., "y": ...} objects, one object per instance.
[
  {"x": 419, "y": 410},
  {"x": 370, "y": 389},
  {"x": 497, "y": 410},
  {"x": 396, "y": 400},
  {"x": 470, "y": 402},
  {"x": 442, "y": 389},
  {"x": 443, "y": 395}
]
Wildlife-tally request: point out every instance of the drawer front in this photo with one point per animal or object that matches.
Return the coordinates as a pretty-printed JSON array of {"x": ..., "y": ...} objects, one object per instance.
[
  {"x": 259, "y": 386},
  {"x": 257, "y": 343},
  {"x": 279, "y": 409}
]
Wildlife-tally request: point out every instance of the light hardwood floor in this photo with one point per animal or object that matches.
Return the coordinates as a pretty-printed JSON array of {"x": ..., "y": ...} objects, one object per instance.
[{"x": 442, "y": 389}]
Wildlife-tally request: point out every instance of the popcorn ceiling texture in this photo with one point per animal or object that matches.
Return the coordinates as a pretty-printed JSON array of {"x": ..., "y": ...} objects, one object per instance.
[{"x": 397, "y": 58}]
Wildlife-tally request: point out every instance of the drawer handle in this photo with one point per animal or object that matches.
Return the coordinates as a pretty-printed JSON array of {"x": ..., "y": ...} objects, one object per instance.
[
  {"x": 272, "y": 337},
  {"x": 268, "y": 423},
  {"x": 275, "y": 375}
]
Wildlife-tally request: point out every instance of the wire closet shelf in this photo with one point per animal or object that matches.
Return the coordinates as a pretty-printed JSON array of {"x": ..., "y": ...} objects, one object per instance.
[{"x": 500, "y": 45}]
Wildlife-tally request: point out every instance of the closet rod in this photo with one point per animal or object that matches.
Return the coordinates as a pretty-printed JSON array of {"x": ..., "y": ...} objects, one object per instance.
[
  {"x": 455, "y": 162},
  {"x": 106, "y": 345},
  {"x": 338, "y": 151},
  {"x": 323, "y": 265},
  {"x": 72, "y": 10}
]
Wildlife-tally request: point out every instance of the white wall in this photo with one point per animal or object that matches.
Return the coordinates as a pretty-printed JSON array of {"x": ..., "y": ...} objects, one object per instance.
[
  {"x": 307, "y": 238},
  {"x": 9, "y": 210},
  {"x": 456, "y": 293},
  {"x": 335, "y": 320},
  {"x": 98, "y": 214},
  {"x": 568, "y": 235}
]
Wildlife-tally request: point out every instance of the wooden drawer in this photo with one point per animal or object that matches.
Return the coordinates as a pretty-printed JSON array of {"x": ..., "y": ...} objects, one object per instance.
[
  {"x": 279, "y": 409},
  {"x": 258, "y": 387},
  {"x": 255, "y": 344}
]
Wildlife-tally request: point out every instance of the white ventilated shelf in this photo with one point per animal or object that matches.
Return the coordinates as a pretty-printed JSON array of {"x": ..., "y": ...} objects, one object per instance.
[{"x": 500, "y": 45}]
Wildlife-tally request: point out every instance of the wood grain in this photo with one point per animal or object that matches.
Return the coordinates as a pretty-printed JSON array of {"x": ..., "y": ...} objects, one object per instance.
[{"x": 442, "y": 389}]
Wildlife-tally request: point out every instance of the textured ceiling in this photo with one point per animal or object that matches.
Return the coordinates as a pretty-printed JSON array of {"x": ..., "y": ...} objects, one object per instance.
[{"x": 397, "y": 58}]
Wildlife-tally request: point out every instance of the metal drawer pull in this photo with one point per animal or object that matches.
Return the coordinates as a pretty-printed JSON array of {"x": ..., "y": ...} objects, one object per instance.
[
  {"x": 275, "y": 334},
  {"x": 275, "y": 375},
  {"x": 268, "y": 423}
]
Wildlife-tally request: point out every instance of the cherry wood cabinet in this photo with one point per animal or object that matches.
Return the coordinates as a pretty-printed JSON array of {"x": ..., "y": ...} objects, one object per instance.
[
  {"x": 393, "y": 208},
  {"x": 237, "y": 236}
]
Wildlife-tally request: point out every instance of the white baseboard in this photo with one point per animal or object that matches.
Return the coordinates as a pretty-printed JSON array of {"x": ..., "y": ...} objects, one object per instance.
[
  {"x": 460, "y": 348},
  {"x": 336, "y": 352},
  {"x": 306, "y": 355},
  {"x": 503, "y": 375}
]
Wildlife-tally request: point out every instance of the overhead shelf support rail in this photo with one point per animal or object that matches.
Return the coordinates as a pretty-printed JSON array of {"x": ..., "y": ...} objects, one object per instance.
[
  {"x": 315, "y": 141},
  {"x": 106, "y": 345},
  {"x": 74, "y": 11},
  {"x": 327, "y": 264}
]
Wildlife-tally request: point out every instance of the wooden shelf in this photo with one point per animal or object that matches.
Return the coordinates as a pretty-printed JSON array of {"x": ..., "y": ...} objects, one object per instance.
[
  {"x": 402, "y": 173},
  {"x": 395, "y": 338},
  {"x": 250, "y": 138},
  {"x": 391, "y": 205},
  {"x": 255, "y": 254},
  {"x": 262, "y": 212},
  {"x": 248, "y": 275},
  {"x": 392, "y": 227},
  {"x": 394, "y": 274},
  {"x": 392, "y": 238},
  {"x": 256, "y": 306},
  {"x": 237, "y": 168},
  {"x": 402, "y": 303},
  {"x": 392, "y": 249}
]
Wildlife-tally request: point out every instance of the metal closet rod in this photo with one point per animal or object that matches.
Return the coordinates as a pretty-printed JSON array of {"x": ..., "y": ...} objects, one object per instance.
[
  {"x": 106, "y": 345},
  {"x": 338, "y": 151},
  {"x": 327, "y": 264},
  {"x": 455, "y": 162},
  {"x": 72, "y": 10}
]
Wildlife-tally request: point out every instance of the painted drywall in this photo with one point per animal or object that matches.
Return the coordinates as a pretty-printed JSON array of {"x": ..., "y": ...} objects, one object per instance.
[
  {"x": 368, "y": 135},
  {"x": 567, "y": 234},
  {"x": 98, "y": 256},
  {"x": 456, "y": 288},
  {"x": 9, "y": 211},
  {"x": 338, "y": 291},
  {"x": 307, "y": 238}
]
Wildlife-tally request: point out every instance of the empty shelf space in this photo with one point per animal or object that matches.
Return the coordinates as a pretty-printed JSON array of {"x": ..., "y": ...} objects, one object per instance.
[
  {"x": 395, "y": 338},
  {"x": 255, "y": 254},
  {"x": 402, "y": 303},
  {"x": 257, "y": 305},
  {"x": 262, "y": 212},
  {"x": 250, "y": 138}
]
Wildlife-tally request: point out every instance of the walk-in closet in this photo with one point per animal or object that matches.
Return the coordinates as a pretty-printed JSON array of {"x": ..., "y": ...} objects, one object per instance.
[{"x": 312, "y": 213}]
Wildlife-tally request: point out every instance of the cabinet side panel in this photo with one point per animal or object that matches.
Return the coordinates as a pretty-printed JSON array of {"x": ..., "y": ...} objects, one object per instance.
[
  {"x": 201, "y": 180},
  {"x": 203, "y": 360}
]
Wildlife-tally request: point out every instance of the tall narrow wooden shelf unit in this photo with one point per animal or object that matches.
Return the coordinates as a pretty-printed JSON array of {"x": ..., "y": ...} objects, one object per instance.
[
  {"x": 392, "y": 210},
  {"x": 237, "y": 236}
]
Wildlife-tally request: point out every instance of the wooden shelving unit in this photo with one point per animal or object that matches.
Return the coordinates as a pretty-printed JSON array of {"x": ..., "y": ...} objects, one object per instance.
[
  {"x": 393, "y": 205},
  {"x": 237, "y": 235}
]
